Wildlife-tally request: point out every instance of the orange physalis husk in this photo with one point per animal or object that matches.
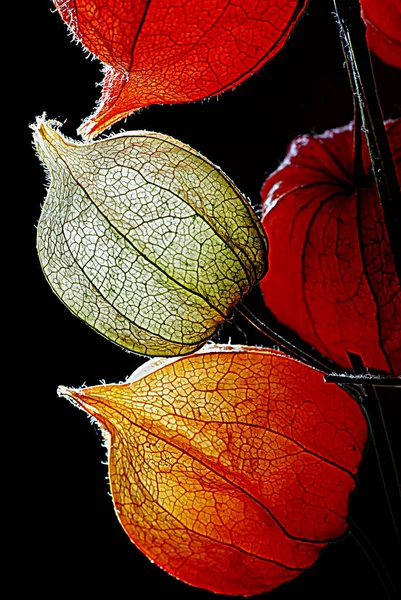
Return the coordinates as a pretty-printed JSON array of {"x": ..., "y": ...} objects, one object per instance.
[{"x": 230, "y": 468}]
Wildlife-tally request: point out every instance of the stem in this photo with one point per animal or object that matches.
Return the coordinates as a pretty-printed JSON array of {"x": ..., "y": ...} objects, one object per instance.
[
  {"x": 359, "y": 173},
  {"x": 386, "y": 434},
  {"x": 374, "y": 559},
  {"x": 382, "y": 447},
  {"x": 360, "y": 176},
  {"x": 380, "y": 380},
  {"x": 276, "y": 338},
  {"x": 353, "y": 39}
]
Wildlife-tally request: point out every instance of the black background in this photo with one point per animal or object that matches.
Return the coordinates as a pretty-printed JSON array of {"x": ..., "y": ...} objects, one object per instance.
[{"x": 68, "y": 539}]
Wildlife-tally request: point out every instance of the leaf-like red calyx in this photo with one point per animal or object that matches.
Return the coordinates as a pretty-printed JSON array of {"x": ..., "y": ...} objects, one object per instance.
[
  {"x": 383, "y": 29},
  {"x": 230, "y": 468},
  {"x": 162, "y": 51},
  {"x": 332, "y": 277}
]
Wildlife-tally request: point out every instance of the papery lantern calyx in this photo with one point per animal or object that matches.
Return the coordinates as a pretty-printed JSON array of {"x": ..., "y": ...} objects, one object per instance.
[
  {"x": 144, "y": 239},
  {"x": 332, "y": 276},
  {"x": 170, "y": 52},
  {"x": 383, "y": 29},
  {"x": 230, "y": 468}
]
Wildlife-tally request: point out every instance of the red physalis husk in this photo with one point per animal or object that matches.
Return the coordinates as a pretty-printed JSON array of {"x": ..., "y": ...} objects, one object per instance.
[
  {"x": 332, "y": 276},
  {"x": 167, "y": 52},
  {"x": 383, "y": 29}
]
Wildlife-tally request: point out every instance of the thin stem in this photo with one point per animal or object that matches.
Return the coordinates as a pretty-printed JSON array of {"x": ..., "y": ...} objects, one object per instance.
[
  {"x": 384, "y": 476},
  {"x": 386, "y": 434},
  {"x": 353, "y": 39},
  {"x": 382, "y": 447},
  {"x": 276, "y": 338},
  {"x": 380, "y": 380},
  {"x": 359, "y": 171},
  {"x": 374, "y": 559}
]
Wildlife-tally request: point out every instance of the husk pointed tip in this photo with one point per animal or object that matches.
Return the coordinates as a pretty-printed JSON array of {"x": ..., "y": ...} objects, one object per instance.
[
  {"x": 42, "y": 123},
  {"x": 92, "y": 127},
  {"x": 37, "y": 127},
  {"x": 83, "y": 400},
  {"x": 46, "y": 135},
  {"x": 73, "y": 395},
  {"x": 64, "y": 392},
  {"x": 86, "y": 131},
  {"x": 38, "y": 121}
]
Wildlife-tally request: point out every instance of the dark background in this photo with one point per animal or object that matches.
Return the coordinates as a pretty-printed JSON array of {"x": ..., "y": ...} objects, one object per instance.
[{"x": 68, "y": 539}]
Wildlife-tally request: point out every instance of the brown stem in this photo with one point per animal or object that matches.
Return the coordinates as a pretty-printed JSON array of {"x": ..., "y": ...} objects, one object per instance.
[
  {"x": 353, "y": 39},
  {"x": 382, "y": 446},
  {"x": 293, "y": 350},
  {"x": 379, "y": 380}
]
